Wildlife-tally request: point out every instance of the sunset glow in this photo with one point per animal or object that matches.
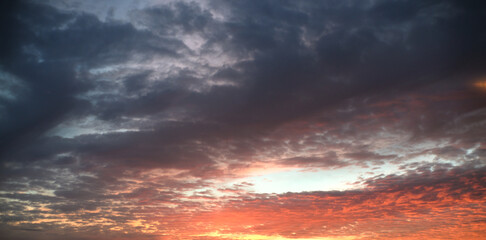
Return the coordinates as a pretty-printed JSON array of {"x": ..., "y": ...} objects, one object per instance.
[
  {"x": 480, "y": 84},
  {"x": 242, "y": 120}
]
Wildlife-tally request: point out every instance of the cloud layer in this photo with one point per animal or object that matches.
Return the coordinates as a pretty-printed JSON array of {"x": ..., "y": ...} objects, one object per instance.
[{"x": 153, "y": 120}]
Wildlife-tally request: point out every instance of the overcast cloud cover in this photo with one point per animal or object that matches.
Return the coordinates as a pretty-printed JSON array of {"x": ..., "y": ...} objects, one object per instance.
[{"x": 242, "y": 119}]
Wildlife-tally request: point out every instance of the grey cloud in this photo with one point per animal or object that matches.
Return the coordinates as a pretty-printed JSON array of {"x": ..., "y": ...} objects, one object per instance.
[
  {"x": 166, "y": 19},
  {"x": 67, "y": 47},
  {"x": 285, "y": 81},
  {"x": 315, "y": 76},
  {"x": 367, "y": 155},
  {"x": 329, "y": 160}
]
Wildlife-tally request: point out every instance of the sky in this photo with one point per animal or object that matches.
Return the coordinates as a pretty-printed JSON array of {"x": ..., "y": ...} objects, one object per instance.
[{"x": 212, "y": 120}]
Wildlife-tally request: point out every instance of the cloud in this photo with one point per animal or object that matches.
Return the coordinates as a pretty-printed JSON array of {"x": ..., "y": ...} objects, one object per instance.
[
  {"x": 329, "y": 160},
  {"x": 290, "y": 72},
  {"x": 425, "y": 204},
  {"x": 145, "y": 121}
]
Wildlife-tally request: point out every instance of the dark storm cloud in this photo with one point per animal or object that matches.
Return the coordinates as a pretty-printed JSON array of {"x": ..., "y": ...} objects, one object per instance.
[
  {"x": 353, "y": 50},
  {"x": 166, "y": 20},
  {"x": 55, "y": 48},
  {"x": 299, "y": 83},
  {"x": 361, "y": 55}
]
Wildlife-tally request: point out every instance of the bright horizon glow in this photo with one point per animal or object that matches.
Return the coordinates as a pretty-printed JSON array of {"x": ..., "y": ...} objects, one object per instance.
[
  {"x": 271, "y": 237},
  {"x": 302, "y": 180}
]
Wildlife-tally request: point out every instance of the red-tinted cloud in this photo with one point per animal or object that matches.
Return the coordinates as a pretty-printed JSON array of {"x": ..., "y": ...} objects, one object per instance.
[{"x": 437, "y": 204}]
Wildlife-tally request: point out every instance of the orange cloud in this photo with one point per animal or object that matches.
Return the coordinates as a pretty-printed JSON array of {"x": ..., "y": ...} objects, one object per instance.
[
  {"x": 450, "y": 204},
  {"x": 423, "y": 204}
]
